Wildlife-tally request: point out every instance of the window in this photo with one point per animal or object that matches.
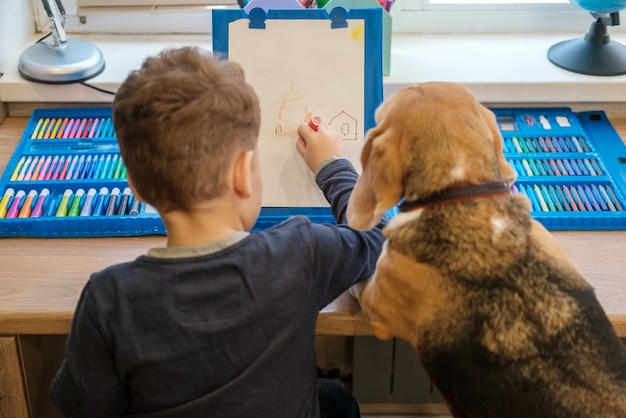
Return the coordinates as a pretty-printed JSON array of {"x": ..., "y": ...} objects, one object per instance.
[{"x": 409, "y": 16}]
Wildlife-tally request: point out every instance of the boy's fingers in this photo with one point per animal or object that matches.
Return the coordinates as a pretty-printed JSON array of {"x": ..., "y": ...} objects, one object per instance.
[{"x": 301, "y": 145}]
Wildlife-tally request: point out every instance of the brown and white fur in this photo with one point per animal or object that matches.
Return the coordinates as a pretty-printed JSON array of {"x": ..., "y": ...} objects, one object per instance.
[{"x": 499, "y": 316}]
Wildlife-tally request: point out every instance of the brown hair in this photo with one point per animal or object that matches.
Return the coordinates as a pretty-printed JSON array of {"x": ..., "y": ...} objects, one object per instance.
[{"x": 179, "y": 120}]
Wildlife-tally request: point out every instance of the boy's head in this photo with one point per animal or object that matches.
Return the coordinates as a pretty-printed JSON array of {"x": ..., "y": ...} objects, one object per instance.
[{"x": 180, "y": 119}]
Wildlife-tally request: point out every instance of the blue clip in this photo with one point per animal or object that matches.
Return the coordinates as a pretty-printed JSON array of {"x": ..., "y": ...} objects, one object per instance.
[
  {"x": 338, "y": 18},
  {"x": 257, "y": 18}
]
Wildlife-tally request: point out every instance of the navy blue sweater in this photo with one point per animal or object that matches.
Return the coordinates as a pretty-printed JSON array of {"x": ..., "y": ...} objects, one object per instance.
[{"x": 222, "y": 330}]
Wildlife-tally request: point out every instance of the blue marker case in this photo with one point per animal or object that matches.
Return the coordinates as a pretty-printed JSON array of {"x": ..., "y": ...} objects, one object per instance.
[
  {"x": 564, "y": 160},
  {"x": 570, "y": 165}
]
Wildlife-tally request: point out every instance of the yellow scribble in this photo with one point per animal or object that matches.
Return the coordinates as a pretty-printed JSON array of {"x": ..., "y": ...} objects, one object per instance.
[{"x": 358, "y": 33}]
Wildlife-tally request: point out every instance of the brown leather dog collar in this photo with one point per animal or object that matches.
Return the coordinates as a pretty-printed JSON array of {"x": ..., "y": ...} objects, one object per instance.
[{"x": 457, "y": 195}]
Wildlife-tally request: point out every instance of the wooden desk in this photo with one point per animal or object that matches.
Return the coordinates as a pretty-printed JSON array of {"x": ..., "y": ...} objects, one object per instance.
[{"x": 41, "y": 280}]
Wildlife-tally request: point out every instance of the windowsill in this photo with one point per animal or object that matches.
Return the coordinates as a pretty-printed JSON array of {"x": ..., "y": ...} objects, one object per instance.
[{"x": 511, "y": 68}]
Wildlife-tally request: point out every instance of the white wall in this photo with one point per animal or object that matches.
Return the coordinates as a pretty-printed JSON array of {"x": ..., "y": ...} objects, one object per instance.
[{"x": 16, "y": 26}]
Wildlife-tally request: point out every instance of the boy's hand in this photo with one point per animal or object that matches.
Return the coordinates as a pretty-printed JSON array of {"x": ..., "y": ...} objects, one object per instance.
[{"x": 318, "y": 146}]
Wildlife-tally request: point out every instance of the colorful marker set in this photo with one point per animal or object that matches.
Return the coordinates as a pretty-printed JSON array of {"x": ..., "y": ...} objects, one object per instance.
[
  {"x": 74, "y": 186},
  {"x": 556, "y": 167},
  {"x": 36, "y": 204},
  {"x": 567, "y": 165},
  {"x": 70, "y": 128},
  {"x": 570, "y": 198},
  {"x": 69, "y": 167}
]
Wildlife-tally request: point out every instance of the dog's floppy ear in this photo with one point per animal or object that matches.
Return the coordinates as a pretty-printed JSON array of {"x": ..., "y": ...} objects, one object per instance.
[{"x": 380, "y": 186}]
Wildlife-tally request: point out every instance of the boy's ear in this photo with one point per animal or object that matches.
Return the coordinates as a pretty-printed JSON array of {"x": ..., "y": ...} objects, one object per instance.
[
  {"x": 133, "y": 190},
  {"x": 242, "y": 174}
]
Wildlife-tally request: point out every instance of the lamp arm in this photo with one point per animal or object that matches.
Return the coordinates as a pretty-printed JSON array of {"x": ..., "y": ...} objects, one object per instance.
[{"x": 57, "y": 17}]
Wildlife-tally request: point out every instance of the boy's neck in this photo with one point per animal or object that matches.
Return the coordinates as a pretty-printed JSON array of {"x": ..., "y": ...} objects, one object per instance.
[{"x": 201, "y": 225}]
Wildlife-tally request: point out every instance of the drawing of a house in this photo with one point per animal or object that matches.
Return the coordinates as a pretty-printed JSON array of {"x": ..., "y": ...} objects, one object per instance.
[
  {"x": 345, "y": 125},
  {"x": 292, "y": 111}
]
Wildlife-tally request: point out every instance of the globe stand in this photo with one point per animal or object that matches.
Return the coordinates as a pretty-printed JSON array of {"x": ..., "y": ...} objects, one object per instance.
[{"x": 595, "y": 54}]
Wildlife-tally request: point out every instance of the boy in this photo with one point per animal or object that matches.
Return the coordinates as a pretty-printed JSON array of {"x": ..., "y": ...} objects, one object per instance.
[{"x": 221, "y": 322}]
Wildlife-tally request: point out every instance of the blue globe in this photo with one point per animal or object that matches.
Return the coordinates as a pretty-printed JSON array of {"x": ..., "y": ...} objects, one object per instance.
[{"x": 600, "y": 6}]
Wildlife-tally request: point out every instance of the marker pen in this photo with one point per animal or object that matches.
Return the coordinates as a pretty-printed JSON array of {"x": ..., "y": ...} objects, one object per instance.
[
  {"x": 86, "y": 210},
  {"x": 36, "y": 130},
  {"x": 27, "y": 164},
  {"x": 15, "y": 204},
  {"x": 18, "y": 166},
  {"x": 135, "y": 207},
  {"x": 74, "y": 209},
  {"x": 122, "y": 209},
  {"x": 99, "y": 205},
  {"x": 38, "y": 209},
  {"x": 27, "y": 205},
  {"x": 62, "y": 207},
  {"x": 110, "y": 210},
  {"x": 315, "y": 122},
  {"x": 4, "y": 203}
]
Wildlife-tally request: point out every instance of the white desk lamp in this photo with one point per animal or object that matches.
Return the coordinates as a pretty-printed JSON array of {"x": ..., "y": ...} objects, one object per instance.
[{"x": 61, "y": 60}]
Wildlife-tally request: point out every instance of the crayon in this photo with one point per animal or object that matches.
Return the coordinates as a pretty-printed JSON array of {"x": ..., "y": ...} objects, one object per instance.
[
  {"x": 72, "y": 166},
  {"x": 55, "y": 130},
  {"x": 94, "y": 128},
  {"x": 100, "y": 126},
  {"x": 81, "y": 127},
  {"x": 86, "y": 209},
  {"x": 597, "y": 168},
  {"x": 123, "y": 206},
  {"x": 568, "y": 167},
  {"x": 42, "y": 130},
  {"x": 15, "y": 204},
  {"x": 583, "y": 144},
  {"x": 87, "y": 128},
  {"x": 86, "y": 167},
  {"x": 68, "y": 129},
  {"x": 583, "y": 198},
  {"x": 35, "y": 174},
  {"x": 577, "y": 199},
  {"x": 599, "y": 198},
  {"x": 591, "y": 198},
  {"x": 112, "y": 204},
  {"x": 24, "y": 168},
  {"x": 18, "y": 167},
  {"x": 104, "y": 167},
  {"x": 94, "y": 165},
  {"x": 547, "y": 198},
  {"x": 589, "y": 167},
  {"x": 59, "y": 133},
  {"x": 576, "y": 144},
  {"x": 616, "y": 202},
  {"x": 517, "y": 146},
  {"x": 46, "y": 135},
  {"x": 4, "y": 203},
  {"x": 38, "y": 209},
  {"x": 564, "y": 203},
  {"x": 105, "y": 129},
  {"x": 531, "y": 196},
  {"x": 544, "y": 145},
  {"x": 45, "y": 169},
  {"x": 58, "y": 168},
  {"x": 555, "y": 199},
  {"x": 607, "y": 199},
  {"x": 36, "y": 130},
  {"x": 74, "y": 209},
  {"x": 72, "y": 133},
  {"x": 78, "y": 168},
  {"x": 111, "y": 168},
  {"x": 542, "y": 203},
  {"x": 562, "y": 169},
  {"x": 99, "y": 205},
  {"x": 27, "y": 205},
  {"x": 555, "y": 169},
  {"x": 570, "y": 199},
  {"x": 575, "y": 167},
  {"x": 542, "y": 168},
  {"x": 534, "y": 168},
  {"x": 31, "y": 168},
  {"x": 118, "y": 169}
]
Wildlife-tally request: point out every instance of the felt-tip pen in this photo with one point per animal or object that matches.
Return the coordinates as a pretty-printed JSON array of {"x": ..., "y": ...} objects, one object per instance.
[
  {"x": 74, "y": 209},
  {"x": 4, "y": 203},
  {"x": 86, "y": 210},
  {"x": 315, "y": 122},
  {"x": 38, "y": 209},
  {"x": 63, "y": 204},
  {"x": 27, "y": 206},
  {"x": 110, "y": 210},
  {"x": 15, "y": 204}
]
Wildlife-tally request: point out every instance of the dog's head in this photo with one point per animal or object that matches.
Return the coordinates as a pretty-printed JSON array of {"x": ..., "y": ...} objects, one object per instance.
[{"x": 428, "y": 138}]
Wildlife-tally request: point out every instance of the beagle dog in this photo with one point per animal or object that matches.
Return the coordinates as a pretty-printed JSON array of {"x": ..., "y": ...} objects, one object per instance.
[{"x": 502, "y": 321}]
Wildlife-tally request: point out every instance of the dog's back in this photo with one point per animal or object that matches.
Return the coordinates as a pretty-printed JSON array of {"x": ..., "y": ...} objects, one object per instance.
[{"x": 529, "y": 337}]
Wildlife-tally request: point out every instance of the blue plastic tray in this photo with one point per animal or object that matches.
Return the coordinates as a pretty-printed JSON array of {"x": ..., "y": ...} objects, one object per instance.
[{"x": 570, "y": 165}]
